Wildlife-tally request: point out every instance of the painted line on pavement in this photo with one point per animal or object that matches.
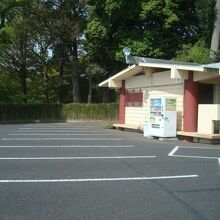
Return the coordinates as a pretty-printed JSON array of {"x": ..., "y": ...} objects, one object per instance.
[
  {"x": 173, "y": 151},
  {"x": 98, "y": 179},
  {"x": 75, "y": 158},
  {"x": 36, "y": 128},
  {"x": 45, "y": 139},
  {"x": 58, "y": 131},
  {"x": 72, "y": 146},
  {"x": 205, "y": 148},
  {"x": 65, "y": 134},
  {"x": 172, "y": 154},
  {"x": 58, "y": 123},
  {"x": 196, "y": 157}
]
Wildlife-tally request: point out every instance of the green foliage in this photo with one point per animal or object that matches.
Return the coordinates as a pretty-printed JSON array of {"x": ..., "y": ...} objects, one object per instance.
[
  {"x": 153, "y": 28},
  {"x": 9, "y": 89},
  {"x": 41, "y": 43},
  {"x": 140, "y": 44},
  {"x": 95, "y": 71},
  {"x": 166, "y": 11},
  {"x": 96, "y": 30},
  {"x": 39, "y": 46},
  {"x": 196, "y": 53},
  {"x": 5, "y": 37},
  {"x": 30, "y": 112},
  {"x": 171, "y": 23},
  {"x": 112, "y": 7},
  {"x": 42, "y": 112},
  {"x": 205, "y": 10},
  {"x": 109, "y": 126},
  {"x": 91, "y": 111}
]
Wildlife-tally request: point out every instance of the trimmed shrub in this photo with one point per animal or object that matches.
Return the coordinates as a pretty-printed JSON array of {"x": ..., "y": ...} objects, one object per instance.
[
  {"x": 91, "y": 111},
  {"x": 52, "y": 112}
]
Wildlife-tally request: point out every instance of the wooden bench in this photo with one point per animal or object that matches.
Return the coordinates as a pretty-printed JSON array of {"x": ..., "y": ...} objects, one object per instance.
[
  {"x": 127, "y": 126},
  {"x": 201, "y": 138}
]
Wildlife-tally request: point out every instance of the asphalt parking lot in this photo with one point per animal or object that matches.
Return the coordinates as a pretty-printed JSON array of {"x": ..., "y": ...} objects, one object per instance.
[{"x": 81, "y": 170}]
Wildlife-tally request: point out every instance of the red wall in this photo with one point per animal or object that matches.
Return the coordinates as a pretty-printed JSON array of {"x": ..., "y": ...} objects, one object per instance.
[
  {"x": 190, "y": 106},
  {"x": 121, "y": 117}
]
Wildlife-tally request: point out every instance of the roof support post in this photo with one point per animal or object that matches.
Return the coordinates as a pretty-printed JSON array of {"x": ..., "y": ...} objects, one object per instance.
[
  {"x": 190, "y": 105},
  {"x": 122, "y": 102}
]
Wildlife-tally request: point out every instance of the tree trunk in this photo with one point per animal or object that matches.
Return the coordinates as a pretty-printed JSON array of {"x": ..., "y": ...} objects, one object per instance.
[
  {"x": 60, "y": 89},
  {"x": 75, "y": 84},
  {"x": 74, "y": 70},
  {"x": 23, "y": 67},
  {"x": 45, "y": 83},
  {"x": 105, "y": 95},
  {"x": 216, "y": 32},
  {"x": 23, "y": 76},
  {"x": 2, "y": 20},
  {"x": 89, "y": 100}
]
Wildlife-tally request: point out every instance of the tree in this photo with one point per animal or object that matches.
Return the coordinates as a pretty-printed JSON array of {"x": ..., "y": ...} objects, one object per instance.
[
  {"x": 153, "y": 28},
  {"x": 199, "y": 52},
  {"x": 8, "y": 9},
  {"x": 9, "y": 89},
  {"x": 66, "y": 23},
  {"x": 214, "y": 49},
  {"x": 205, "y": 10},
  {"x": 48, "y": 31},
  {"x": 42, "y": 42},
  {"x": 196, "y": 53},
  {"x": 16, "y": 58},
  {"x": 170, "y": 24},
  {"x": 94, "y": 73},
  {"x": 148, "y": 27},
  {"x": 14, "y": 41}
]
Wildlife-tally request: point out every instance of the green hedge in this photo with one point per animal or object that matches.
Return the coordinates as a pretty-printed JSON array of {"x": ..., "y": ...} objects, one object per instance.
[
  {"x": 25, "y": 112},
  {"x": 91, "y": 111},
  {"x": 43, "y": 112}
]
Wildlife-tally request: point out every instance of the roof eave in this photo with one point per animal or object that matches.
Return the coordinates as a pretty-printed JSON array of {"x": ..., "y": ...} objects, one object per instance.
[
  {"x": 114, "y": 81},
  {"x": 104, "y": 83}
]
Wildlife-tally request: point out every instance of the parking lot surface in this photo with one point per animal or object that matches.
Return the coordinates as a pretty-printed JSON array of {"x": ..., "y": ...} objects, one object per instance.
[{"x": 81, "y": 170}]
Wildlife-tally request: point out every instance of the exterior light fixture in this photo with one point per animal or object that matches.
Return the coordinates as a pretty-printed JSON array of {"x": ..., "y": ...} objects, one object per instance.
[{"x": 127, "y": 52}]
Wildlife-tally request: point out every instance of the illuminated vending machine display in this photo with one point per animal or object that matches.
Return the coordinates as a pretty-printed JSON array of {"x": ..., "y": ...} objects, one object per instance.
[{"x": 162, "y": 117}]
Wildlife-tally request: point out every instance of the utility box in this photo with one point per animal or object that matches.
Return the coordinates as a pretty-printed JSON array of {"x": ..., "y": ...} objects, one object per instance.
[{"x": 163, "y": 117}]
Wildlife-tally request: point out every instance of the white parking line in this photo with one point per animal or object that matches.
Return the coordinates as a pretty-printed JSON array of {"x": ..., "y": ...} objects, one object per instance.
[
  {"x": 197, "y": 157},
  {"x": 56, "y": 125},
  {"x": 43, "y": 128},
  {"x": 98, "y": 179},
  {"x": 59, "y": 131},
  {"x": 204, "y": 148},
  {"x": 65, "y": 134},
  {"x": 172, "y": 153},
  {"x": 74, "y": 158},
  {"x": 72, "y": 146},
  {"x": 45, "y": 139}
]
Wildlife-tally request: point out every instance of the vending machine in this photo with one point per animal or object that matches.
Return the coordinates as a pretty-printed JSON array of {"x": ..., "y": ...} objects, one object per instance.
[{"x": 162, "y": 117}]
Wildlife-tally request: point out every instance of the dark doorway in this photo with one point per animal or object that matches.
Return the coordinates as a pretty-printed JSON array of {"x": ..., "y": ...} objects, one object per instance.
[{"x": 206, "y": 93}]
